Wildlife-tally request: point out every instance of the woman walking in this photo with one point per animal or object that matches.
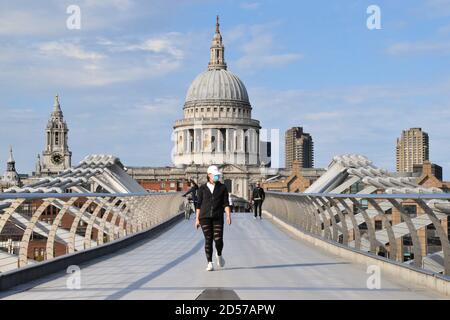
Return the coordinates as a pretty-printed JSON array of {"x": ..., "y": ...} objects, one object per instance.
[{"x": 211, "y": 202}]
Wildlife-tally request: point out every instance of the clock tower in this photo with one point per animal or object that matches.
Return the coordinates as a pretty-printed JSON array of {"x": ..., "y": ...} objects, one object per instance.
[{"x": 56, "y": 157}]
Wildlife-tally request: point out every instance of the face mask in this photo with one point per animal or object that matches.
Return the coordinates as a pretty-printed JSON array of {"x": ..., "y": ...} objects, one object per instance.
[{"x": 216, "y": 178}]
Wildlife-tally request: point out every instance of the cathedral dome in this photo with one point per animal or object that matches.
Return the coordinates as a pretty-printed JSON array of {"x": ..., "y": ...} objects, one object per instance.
[{"x": 217, "y": 84}]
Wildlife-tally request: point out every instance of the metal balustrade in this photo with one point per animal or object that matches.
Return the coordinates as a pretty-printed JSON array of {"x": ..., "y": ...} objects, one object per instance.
[
  {"x": 349, "y": 219},
  {"x": 72, "y": 222}
]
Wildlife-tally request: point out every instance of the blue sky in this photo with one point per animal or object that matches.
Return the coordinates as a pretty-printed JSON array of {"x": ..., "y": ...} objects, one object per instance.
[{"x": 123, "y": 76}]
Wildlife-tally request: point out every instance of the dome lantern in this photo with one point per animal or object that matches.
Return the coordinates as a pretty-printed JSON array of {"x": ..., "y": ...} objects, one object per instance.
[{"x": 217, "y": 57}]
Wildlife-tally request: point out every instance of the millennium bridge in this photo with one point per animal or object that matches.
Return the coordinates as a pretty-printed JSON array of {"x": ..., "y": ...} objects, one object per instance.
[{"x": 357, "y": 233}]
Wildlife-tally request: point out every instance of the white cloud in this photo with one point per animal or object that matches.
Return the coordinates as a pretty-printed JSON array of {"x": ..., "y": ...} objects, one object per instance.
[
  {"x": 31, "y": 18},
  {"x": 438, "y": 7},
  {"x": 250, "y": 5},
  {"x": 405, "y": 48},
  {"x": 88, "y": 62},
  {"x": 264, "y": 61},
  {"x": 69, "y": 50},
  {"x": 22, "y": 22},
  {"x": 362, "y": 119},
  {"x": 444, "y": 29},
  {"x": 162, "y": 44},
  {"x": 159, "y": 106},
  {"x": 318, "y": 116},
  {"x": 259, "y": 47},
  {"x": 117, "y": 4}
]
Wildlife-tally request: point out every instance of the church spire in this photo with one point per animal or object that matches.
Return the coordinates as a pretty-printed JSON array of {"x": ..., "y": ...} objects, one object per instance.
[
  {"x": 217, "y": 25},
  {"x": 11, "y": 177},
  {"x": 217, "y": 58},
  {"x": 11, "y": 158},
  {"x": 57, "y": 112},
  {"x": 11, "y": 163},
  {"x": 56, "y": 156},
  {"x": 38, "y": 165}
]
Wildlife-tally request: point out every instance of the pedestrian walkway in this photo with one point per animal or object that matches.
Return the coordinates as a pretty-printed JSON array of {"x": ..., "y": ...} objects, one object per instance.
[{"x": 262, "y": 262}]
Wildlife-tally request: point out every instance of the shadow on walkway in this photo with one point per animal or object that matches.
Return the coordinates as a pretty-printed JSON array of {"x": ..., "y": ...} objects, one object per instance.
[
  {"x": 139, "y": 283},
  {"x": 276, "y": 266}
]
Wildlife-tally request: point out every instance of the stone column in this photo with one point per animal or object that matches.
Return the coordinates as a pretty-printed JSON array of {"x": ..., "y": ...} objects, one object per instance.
[
  {"x": 219, "y": 140},
  {"x": 227, "y": 150},
  {"x": 185, "y": 143},
  {"x": 258, "y": 147},
  {"x": 243, "y": 140},
  {"x": 195, "y": 141},
  {"x": 231, "y": 133}
]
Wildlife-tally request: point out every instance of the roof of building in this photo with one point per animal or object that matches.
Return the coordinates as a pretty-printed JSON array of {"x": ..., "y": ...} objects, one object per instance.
[
  {"x": 217, "y": 84},
  {"x": 347, "y": 170},
  {"x": 102, "y": 171}
]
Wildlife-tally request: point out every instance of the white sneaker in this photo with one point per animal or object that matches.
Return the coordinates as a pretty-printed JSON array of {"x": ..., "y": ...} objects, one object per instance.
[
  {"x": 254, "y": 217},
  {"x": 210, "y": 267},
  {"x": 220, "y": 260}
]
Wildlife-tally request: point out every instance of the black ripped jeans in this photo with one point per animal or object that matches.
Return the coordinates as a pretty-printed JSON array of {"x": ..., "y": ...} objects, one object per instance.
[{"x": 213, "y": 231}]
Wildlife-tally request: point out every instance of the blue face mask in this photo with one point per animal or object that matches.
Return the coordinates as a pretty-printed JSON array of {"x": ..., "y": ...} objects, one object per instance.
[{"x": 216, "y": 178}]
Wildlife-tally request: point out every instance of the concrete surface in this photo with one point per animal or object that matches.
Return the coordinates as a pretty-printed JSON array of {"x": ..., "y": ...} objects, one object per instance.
[{"x": 262, "y": 262}]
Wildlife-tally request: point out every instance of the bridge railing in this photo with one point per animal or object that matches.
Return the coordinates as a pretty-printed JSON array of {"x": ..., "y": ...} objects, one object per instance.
[
  {"x": 38, "y": 226},
  {"x": 409, "y": 228}
]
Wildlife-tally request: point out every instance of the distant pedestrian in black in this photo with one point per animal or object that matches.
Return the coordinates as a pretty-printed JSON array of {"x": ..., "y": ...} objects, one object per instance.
[
  {"x": 257, "y": 199},
  {"x": 192, "y": 192}
]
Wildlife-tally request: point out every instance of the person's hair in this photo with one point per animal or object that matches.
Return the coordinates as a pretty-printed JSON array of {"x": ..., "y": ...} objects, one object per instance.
[{"x": 207, "y": 178}]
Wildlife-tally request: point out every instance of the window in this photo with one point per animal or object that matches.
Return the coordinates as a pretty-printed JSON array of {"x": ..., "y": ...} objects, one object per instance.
[
  {"x": 364, "y": 203},
  {"x": 407, "y": 240},
  {"x": 411, "y": 210},
  {"x": 378, "y": 224},
  {"x": 356, "y": 187},
  {"x": 433, "y": 239},
  {"x": 56, "y": 138}
]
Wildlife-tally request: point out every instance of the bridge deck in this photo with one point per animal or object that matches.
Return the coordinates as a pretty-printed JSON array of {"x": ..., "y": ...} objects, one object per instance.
[{"x": 262, "y": 262}]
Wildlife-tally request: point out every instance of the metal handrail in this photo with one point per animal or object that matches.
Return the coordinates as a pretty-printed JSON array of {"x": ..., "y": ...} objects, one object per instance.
[
  {"x": 39, "y": 195},
  {"x": 340, "y": 217},
  {"x": 425, "y": 196},
  {"x": 95, "y": 219}
]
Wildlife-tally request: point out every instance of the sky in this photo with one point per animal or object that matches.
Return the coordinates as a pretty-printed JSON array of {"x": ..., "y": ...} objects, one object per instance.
[{"x": 123, "y": 76}]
